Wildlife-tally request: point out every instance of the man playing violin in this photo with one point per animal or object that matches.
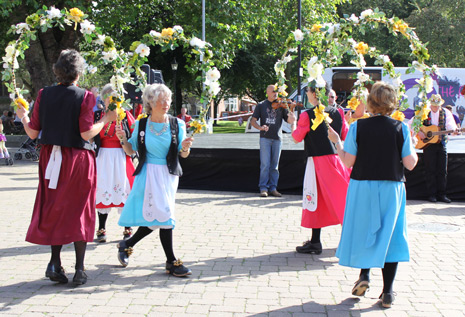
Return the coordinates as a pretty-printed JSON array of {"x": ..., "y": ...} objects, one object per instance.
[
  {"x": 270, "y": 140},
  {"x": 435, "y": 155}
]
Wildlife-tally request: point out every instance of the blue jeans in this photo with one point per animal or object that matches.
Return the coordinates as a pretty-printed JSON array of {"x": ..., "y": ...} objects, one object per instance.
[{"x": 270, "y": 151}]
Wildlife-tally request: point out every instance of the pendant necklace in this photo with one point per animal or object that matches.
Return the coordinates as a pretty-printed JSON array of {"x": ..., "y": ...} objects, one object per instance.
[{"x": 152, "y": 129}]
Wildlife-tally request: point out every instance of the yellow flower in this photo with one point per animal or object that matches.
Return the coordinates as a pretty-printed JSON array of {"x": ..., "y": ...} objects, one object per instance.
[
  {"x": 142, "y": 115},
  {"x": 20, "y": 102},
  {"x": 400, "y": 26},
  {"x": 75, "y": 14},
  {"x": 316, "y": 27},
  {"x": 397, "y": 115},
  {"x": 320, "y": 116},
  {"x": 353, "y": 103},
  {"x": 361, "y": 48},
  {"x": 167, "y": 32},
  {"x": 121, "y": 114},
  {"x": 424, "y": 113},
  {"x": 196, "y": 126}
]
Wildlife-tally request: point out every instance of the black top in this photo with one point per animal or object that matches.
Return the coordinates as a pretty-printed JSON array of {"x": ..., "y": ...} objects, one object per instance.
[
  {"x": 316, "y": 141},
  {"x": 273, "y": 118},
  {"x": 60, "y": 107},
  {"x": 379, "y": 150}
]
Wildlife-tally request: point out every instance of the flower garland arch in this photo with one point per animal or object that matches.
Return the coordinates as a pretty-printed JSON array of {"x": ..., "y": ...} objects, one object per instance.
[
  {"x": 334, "y": 40},
  {"x": 104, "y": 52}
]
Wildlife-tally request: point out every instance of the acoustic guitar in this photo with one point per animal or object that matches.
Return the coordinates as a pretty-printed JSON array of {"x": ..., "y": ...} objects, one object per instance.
[{"x": 432, "y": 134}]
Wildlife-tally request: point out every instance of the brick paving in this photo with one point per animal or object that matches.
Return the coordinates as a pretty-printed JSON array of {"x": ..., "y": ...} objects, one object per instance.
[{"x": 241, "y": 249}]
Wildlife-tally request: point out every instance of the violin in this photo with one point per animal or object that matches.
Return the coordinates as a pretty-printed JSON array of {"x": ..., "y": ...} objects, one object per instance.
[{"x": 285, "y": 104}]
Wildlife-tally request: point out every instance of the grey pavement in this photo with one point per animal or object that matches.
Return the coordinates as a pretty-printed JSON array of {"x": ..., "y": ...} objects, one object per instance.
[{"x": 241, "y": 249}]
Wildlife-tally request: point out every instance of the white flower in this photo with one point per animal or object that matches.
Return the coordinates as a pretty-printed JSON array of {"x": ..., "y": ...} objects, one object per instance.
[
  {"x": 312, "y": 61},
  {"x": 418, "y": 66},
  {"x": 196, "y": 42},
  {"x": 293, "y": 50},
  {"x": 178, "y": 29},
  {"x": 362, "y": 77},
  {"x": 110, "y": 55},
  {"x": 21, "y": 27},
  {"x": 287, "y": 59},
  {"x": 364, "y": 94},
  {"x": 282, "y": 88},
  {"x": 10, "y": 51},
  {"x": 354, "y": 19},
  {"x": 212, "y": 75},
  {"x": 100, "y": 40},
  {"x": 397, "y": 82},
  {"x": 298, "y": 35},
  {"x": 143, "y": 50},
  {"x": 366, "y": 14},
  {"x": 352, "y": 42},
  {"x": 155, "y": 34},
  {"x": 429, "y": 84},
  {"x": 320, "y": 82},
  {"x": 54, "y": 13},
  {"x": 87, "y": 27},
  {"x": 384, "y": 58},
  {"x": 213, "y": 88},
  {"x": 91, "y": 69}
]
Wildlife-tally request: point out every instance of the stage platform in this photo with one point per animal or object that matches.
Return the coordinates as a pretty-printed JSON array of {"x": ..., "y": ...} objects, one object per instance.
[{"x": 231, "y": 162}]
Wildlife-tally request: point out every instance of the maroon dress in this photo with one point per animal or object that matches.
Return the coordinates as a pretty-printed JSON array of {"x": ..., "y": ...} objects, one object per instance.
[{"x": 65, "y": 214}]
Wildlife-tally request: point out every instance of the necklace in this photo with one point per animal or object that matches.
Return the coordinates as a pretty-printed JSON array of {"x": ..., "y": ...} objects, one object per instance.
[
  {"x": 108, "y": 129},
  {"x": 152, "y": 129}
]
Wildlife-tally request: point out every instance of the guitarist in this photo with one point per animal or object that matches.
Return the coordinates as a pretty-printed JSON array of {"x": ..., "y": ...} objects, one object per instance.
[{"x": 435, "y": 155}]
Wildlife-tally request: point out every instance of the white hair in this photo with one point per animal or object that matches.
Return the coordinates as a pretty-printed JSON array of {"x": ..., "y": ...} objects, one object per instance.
[{"x": 152, "y": 93}]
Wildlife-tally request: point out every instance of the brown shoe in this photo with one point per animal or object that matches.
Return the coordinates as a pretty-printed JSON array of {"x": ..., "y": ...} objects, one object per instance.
[
  {"x": 263, "y": 193},
  {"x": 275, "y": 193}
]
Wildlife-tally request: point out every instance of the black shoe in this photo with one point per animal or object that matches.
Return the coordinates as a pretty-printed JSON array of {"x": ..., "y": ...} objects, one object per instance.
[
  {"x": 127, "y": 233},
  {"x": 80, "y": 277},
  {"x": 176, "y": 268},
  {"x": 387, "y": 299},
  {"x": 444, "y": 199},
  {"x": 56, "y": 274},
  {"x": 101, "y": 235},
  {"x": 124, "y": 252},
  {"x": 432, "y": 199},
  {"x": 309, "y": 247},
  {"x": 360, "y": 287}
]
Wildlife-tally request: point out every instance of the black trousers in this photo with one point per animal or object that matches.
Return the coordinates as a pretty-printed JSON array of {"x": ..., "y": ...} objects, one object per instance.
[{"x": 435, "y": 159}]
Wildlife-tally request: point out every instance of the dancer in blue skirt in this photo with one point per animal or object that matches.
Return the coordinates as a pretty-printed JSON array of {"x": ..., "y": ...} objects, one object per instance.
[{"x": 374, "y": 230}]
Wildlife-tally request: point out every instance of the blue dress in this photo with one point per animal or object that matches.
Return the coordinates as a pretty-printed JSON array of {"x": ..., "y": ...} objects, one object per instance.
[
  {"x": 374, "y": 230},
  {"x": 155, "y": 172}
]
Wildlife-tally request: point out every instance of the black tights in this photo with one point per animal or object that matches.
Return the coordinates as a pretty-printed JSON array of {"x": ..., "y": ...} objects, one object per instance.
[
  {"x": 389, "y": 273},
  {"x": 316, "y": 235},
  {"x": 166, "y": 238},
  {"x": 79, "y": 249}
]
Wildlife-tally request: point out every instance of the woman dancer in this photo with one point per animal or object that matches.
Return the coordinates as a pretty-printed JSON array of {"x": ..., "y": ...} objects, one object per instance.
[
  {"x": 326, "y": 178},
  {"x": 159, "y": 139},
  {"x": 64, "y": 210},
  {"x": 374, "y": 233},
  {"x": 114, "y": 168}
]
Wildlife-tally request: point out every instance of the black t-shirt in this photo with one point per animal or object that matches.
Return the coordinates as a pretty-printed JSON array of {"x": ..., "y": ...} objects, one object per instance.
[{"x": 273, "y": 118}]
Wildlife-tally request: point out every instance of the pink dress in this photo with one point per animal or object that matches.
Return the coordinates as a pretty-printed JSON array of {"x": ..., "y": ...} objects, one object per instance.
[
  {"x": 65, "y": 214},
  {"x": 332, "y": 180}
]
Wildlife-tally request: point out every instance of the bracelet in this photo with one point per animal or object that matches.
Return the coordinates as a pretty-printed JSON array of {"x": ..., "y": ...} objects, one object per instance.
[
  {"x": 184, "y": 151},
  {"x": 340, "y": 145}
]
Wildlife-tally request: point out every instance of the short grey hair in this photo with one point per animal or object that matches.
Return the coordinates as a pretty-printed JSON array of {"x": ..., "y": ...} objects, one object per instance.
[
  {"x": 152, "y": 93},
  {"x": 107, "y": 91}
]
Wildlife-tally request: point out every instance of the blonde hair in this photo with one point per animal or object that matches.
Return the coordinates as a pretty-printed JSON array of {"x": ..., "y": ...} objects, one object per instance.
[
  {"x": 152, "y": 93},
  {"x": 382, "y": 99}
]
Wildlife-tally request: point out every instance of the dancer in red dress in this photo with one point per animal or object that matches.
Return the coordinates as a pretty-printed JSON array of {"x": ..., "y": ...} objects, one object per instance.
[
  {"x": 114, "y": 168},
  {"x": 326, "y": 178},
  {"x": 64, "y": 210}
]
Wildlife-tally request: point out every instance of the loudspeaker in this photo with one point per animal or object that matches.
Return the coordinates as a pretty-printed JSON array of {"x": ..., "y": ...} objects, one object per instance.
[{"x": 154, "y": 76}]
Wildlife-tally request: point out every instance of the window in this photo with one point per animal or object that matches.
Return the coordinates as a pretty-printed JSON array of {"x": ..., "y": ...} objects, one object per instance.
[{"x": 230, "y": 104}]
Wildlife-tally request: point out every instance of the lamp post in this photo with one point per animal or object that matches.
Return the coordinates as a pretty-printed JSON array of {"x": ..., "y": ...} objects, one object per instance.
[{"x": 174, "y": 67}]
